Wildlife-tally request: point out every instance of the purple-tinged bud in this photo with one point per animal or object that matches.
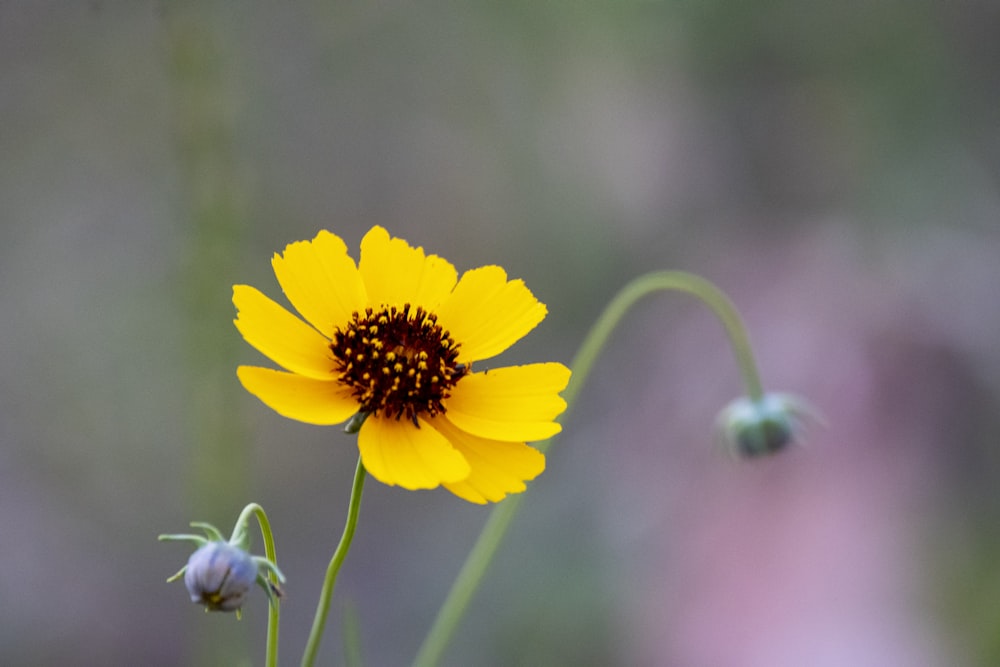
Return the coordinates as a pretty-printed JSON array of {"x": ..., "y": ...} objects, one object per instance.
[{"x": 219, "y": 576}]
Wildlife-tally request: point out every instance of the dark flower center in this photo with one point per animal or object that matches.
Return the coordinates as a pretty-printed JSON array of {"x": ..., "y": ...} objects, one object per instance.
[{"x": 397, "y": 361}]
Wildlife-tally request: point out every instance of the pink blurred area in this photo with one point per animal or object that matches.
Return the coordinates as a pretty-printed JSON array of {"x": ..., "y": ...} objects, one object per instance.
[{"x": 819, "y": 555}]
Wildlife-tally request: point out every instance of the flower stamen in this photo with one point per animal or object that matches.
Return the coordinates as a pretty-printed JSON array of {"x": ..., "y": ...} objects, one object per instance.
[{"x": 397, "y": 361}]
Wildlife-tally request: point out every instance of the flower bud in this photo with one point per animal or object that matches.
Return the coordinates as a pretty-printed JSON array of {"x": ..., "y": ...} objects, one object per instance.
[
  {"x": 219, "y": 576},
  {"x": 750, "y": 428}
]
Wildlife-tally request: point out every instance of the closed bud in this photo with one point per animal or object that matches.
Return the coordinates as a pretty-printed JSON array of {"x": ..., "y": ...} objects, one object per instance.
[
  {"x": 219, "y": 576},
  {"x": 752, "y": 428}
]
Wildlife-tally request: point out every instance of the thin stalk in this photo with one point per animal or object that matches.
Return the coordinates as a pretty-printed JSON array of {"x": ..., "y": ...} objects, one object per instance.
[
  {"x": 274, "y": 611},
  {"x": 481, "y": 555},
  {"x": 326, "y": 595},
  {"x": 657, "y": 281},
  {"x": 240, "y": 537}
]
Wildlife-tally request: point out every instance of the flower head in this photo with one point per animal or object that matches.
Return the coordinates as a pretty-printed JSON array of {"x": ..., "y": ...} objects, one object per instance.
[
  {"x": 389, "y": 343},
  {"x": 752, "y": 428}
]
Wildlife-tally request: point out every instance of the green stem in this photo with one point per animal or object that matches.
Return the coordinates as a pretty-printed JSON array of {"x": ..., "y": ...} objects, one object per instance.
[
  {"x": 657, "y": 281},
  {"x": 326, "y": 595},
  {"x": 479, "y": 558},
  {"x": 274, "y": 611}
]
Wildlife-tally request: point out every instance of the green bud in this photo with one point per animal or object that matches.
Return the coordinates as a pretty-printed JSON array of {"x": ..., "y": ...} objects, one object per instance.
[{"x": 750, "y": 429}]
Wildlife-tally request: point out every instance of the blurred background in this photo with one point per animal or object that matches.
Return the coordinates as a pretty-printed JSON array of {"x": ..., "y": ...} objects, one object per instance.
[{"x": 834, "y": 166}]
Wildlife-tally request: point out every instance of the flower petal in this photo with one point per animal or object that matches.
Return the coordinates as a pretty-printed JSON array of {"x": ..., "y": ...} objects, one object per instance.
[
  {"x": 517, "y": 403},
  {"x": 396, "y": 452},
  {"x": 498, "y": 468},
  {"x": 321, "y": 280},
  {"x": 280, "y": 336},
  {"x": 487, "y": 314},
  {"x": 396, "y": 273},
  {"x": 296, "y": 397}
]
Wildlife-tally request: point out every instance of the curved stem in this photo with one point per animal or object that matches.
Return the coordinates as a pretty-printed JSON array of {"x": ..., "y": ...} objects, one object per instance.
[
  {"x": 274, "y": 612},
  {"x": 326, "y": 595},
  {"x": 657, "y": 281},
  {"x": 479, "y": 558}
]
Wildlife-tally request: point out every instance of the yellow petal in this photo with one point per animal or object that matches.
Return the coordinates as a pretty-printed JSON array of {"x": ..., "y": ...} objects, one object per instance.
[
  {"x": 396, "y": 273},
  {"x": 321, "y": 280},
  {"x": 517, "y": 403},
  {"x": 280, "y": 336},
  {"x": 487, "y": 314},
  {"x": 396, "y": 452},
  {"x": 498, "y": 468},
  {"x": 300, "y": 398}
]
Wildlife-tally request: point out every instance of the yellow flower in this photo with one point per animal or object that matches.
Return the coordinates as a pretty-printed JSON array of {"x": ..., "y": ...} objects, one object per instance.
[{"x": 394, "y": 337}]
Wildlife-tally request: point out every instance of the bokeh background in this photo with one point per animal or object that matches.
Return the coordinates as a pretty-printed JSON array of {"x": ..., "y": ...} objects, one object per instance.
[{"x": 833, "y": 165}]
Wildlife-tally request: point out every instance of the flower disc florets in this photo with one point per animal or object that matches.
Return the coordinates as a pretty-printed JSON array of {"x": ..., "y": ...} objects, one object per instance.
[{"x": 397, "y": 361}]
